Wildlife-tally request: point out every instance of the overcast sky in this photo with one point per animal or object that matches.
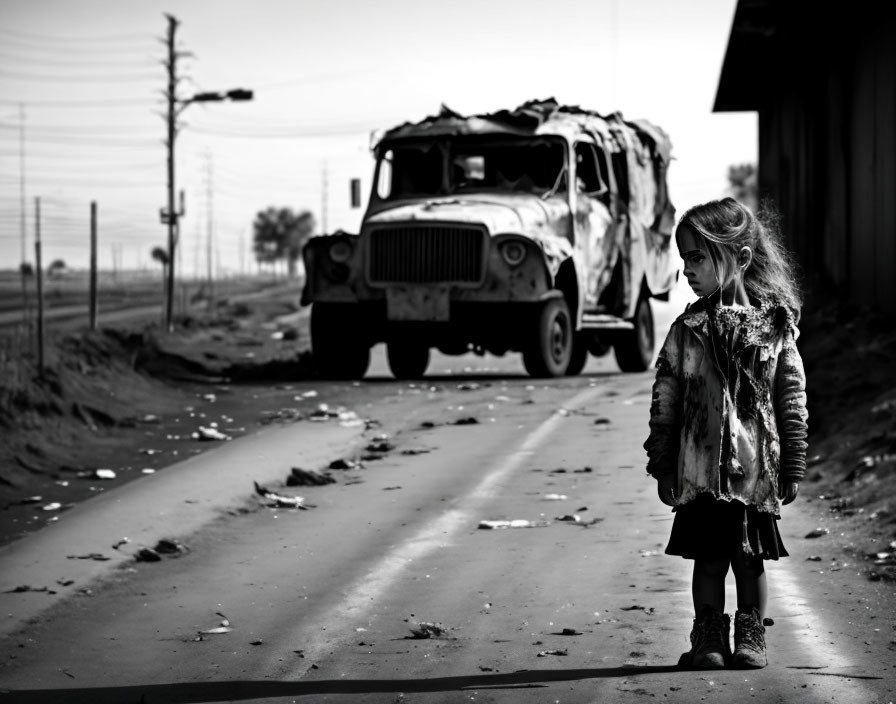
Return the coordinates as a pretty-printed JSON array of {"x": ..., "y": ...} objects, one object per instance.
[{"x": 88, "y": 77}]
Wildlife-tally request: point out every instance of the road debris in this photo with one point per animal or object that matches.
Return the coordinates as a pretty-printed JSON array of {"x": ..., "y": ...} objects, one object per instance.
[
  {"x": 817, "y": 533},
  {"x": 147, "y": 555},
  {"x": 274, "y": 500},
  {"x": 103, "y": 474},
  {"x": 166, "y": 546},
  {"x": 380, "y": 446},
  {"x": 99, "y": 557},
  {"x": 119, "y": 543},
  {"x": 470, "y": 420},
  {"x": 308, "y": 477},
  {"x": 52, "y": 506},
  {"x": 516, "y": 523},
  {"x": 345, "y": 464},
  {"x": 216, "y": 631},
  {"x": 27, "y": 588},
  {"x": 208, "y": 433},
  {"x": 554, "y": 497},
  {"x": 558, "y": 651},
  {"x": 427, "y": 629}
]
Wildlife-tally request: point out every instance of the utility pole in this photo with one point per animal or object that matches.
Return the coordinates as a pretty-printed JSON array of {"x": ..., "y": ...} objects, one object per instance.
[
  {"x": 169, "y": 215},
  {"x": 24, "y": 254},
  {"x": 93, "y": 265},
  {"x": 38, "y": 266},
  {"x": 210, "y": 230}
]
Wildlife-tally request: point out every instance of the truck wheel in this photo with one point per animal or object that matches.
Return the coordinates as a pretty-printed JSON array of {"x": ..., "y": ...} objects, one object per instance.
[
  {"x": 407, "y": 360},
  {"x": 634, "y": 348},
  {"x": 338, "y": 347},
  {"x": 579, "y": 356},
  {"x": 549, "y": 350}
]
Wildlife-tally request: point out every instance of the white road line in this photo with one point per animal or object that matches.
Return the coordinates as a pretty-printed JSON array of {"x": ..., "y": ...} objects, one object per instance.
[
  {"x": 812, "y": 637},
  {"x": 362, "y": 596}
]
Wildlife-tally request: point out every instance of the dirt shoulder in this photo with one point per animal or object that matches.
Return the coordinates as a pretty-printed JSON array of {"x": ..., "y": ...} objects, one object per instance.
[{"x": 134, "y": 401}]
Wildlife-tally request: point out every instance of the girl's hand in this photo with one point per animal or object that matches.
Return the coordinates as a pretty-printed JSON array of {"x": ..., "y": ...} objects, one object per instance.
[
  {"x": 788, "y": 491},
  {"x": 666, "y": 489}
]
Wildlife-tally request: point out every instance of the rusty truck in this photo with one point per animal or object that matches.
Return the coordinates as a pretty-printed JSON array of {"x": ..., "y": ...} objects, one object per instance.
[{"x": 542, "y": 230}]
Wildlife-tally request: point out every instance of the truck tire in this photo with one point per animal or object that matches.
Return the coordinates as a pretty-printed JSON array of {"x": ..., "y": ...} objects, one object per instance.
[
  {"x": 339, "y": 349},
  {"x": 634, "y": 348},
  {"x": 579, "y": 356},
  {"x": 407, "y": 359},
  {"x": 549, "y": 349}
]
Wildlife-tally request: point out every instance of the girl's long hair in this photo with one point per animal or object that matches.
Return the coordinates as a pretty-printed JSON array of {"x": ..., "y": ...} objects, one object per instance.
[{"x": 728, "y": 225}]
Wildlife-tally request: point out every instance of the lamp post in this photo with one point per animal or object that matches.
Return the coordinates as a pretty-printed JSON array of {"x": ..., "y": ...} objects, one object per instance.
[{"x": 176, "y": 106}]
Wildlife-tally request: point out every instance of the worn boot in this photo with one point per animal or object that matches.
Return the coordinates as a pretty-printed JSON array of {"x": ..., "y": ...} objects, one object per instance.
[
  {"x": 749, "y": 640},
  {"x": 710, "y": 644}
]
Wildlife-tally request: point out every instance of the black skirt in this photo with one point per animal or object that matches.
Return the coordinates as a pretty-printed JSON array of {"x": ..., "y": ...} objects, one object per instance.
[{"x": 711, "y": 529}]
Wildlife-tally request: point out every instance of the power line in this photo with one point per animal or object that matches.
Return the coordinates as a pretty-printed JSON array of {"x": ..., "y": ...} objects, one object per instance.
[
  {"x": 75, "y": 62},
  {"x": 91, "y": 141},
  {"x": 115, "y": 78},
  {"x": 126, "y": 102},
  {"x": 55, "y": 40},
  {"x": 321, "y": 131}
]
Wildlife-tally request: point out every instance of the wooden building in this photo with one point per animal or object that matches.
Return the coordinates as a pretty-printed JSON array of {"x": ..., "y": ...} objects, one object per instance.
[{"x": 823, "y": 82}]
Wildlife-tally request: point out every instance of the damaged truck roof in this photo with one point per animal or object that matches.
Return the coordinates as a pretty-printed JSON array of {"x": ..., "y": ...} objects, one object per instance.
[{"x": 540, "y": 117}]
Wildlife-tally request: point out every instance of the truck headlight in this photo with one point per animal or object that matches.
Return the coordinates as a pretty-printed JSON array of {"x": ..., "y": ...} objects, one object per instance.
[
  {"x": 513, "y": 252},
  {"x": 340, "y": 252}
]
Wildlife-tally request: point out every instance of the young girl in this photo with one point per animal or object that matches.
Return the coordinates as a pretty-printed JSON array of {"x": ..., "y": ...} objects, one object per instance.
[{"x": 728, "y": 422}]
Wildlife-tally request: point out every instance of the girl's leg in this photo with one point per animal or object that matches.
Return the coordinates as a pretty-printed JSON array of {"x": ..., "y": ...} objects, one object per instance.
[
  {"x": 708, "y": 585},
  {"x": 749, "y": 631},
  {"x": 749, "y": 576}
]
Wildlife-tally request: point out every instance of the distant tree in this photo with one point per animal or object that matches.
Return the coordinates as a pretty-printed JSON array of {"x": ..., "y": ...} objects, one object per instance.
[
  {"x": 26, "y": 269},
  {"x": 57, "y": 266},
  {"x": 744, "y": 184},
  {"x": 281, "y": 234},
  {"x": 160, "y": 255}
]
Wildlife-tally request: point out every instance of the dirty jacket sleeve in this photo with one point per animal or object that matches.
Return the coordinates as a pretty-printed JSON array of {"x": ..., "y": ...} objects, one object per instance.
[
  {"x": 663, "y": 443},
  {"x": 790, "y": 407}
]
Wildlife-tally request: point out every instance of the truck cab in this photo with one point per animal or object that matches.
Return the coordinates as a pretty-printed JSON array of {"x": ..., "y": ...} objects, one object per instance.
[{"x": 542, "y": 231}]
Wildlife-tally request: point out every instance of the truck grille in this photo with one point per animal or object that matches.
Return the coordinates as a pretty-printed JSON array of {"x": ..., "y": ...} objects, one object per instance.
[{"x": 421, "y": 254}]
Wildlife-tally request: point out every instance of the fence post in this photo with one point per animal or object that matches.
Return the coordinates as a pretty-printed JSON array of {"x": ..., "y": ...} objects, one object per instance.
[{"x": 93, "y": 300}]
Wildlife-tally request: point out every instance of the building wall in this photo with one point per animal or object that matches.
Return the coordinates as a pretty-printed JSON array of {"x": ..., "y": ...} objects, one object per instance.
[{"x": 827, "y": 147}]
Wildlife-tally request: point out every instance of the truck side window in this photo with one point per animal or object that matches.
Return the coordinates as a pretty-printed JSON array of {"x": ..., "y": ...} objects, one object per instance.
[
  {"x": 588, "y": 172},
  {"x": 620, "y": 171},
  {"x": 384, "y": 177}
]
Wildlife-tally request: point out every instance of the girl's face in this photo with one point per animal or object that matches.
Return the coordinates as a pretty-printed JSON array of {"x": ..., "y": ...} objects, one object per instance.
[{"x": 698, "y": 268}]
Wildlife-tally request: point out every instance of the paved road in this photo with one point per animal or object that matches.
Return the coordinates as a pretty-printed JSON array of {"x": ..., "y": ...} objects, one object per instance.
[{"x": 322, "y": 604}]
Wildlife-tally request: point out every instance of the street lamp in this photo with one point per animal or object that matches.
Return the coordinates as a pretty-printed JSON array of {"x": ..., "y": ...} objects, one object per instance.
[{"x": 176, "y": 106}]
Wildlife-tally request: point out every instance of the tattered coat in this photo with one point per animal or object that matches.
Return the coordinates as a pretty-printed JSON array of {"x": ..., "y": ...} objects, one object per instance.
[{"x": 728, "y": 414}]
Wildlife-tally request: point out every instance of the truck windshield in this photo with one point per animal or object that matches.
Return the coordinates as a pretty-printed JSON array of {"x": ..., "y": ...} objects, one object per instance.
[{"x": 461, "y": 165}]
